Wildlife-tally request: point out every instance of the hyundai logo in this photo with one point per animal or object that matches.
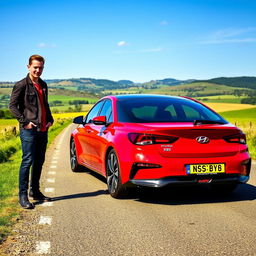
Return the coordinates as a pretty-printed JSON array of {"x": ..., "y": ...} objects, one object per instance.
[{"x": 202, "y": 139}]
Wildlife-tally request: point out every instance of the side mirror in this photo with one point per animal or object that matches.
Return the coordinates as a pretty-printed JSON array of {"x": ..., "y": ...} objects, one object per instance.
[
  {"x": 78, "y": 120},
  {"x": 99, "y": 120}
]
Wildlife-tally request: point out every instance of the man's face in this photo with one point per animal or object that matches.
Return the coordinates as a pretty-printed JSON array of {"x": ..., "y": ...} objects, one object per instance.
[{"x": 36, "y": 68}]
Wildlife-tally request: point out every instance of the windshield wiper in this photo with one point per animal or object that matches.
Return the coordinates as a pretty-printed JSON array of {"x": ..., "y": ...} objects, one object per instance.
[{"x": 198, "y": 122}]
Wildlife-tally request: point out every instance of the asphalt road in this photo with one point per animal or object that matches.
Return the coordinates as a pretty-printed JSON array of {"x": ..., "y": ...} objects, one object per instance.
[{"x": 84, "y": 220}]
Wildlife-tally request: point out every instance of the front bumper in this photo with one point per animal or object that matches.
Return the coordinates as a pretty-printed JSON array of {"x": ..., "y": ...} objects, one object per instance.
[{"x": 186, "y": 180}]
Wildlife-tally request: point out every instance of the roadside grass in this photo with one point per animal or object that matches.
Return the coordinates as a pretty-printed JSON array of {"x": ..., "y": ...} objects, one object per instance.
[
  {"x": 9, "y": 209},
  {"x": 5, "y": 123},
  {"x": 245, "y": 119},
  {"x": 9, "y": 171}
]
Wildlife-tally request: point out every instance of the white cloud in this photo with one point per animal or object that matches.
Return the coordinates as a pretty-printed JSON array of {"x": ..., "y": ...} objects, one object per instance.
[
  {"x": 122, "y": 43},
  {"x": 230, "y": 35},
  {"x": 45, "y": 45}
]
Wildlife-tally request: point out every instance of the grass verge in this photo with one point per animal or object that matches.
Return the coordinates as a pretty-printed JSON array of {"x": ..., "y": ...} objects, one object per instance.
[
  {"x": 9, "y": 171},
  {"x": 245, "y": 120}
]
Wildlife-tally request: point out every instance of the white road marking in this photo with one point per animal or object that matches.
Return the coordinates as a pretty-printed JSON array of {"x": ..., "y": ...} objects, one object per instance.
[
  {"x": 49, "y": 190},
  {"x": 50, "y": 180},
  {"x": 51, "y": 173},
  {"x": 54, "y": 162},
  {"x": 43, "y": 247},
  {"x": 45, "y": 220},
  {"x": 53, "y": 166},
  {"x": 47, "y": 204},
  {"x": 55, "y": 157}
]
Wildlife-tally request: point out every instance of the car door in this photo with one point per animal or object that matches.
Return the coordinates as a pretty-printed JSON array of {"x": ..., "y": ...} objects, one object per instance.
[
  {"x": 99, "y": 137},
  {"x": 85, "y": 135}
]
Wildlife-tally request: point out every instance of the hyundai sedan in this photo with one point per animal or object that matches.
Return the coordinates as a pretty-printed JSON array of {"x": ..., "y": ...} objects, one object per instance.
[{"x": 155, "y": 141}]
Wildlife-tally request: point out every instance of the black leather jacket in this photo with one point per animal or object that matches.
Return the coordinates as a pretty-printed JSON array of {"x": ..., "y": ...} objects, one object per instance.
[{"x": 24, "y": 103}]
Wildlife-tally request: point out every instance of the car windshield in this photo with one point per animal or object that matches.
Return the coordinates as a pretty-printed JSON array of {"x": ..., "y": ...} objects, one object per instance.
[{"x": 164, "y": 109}]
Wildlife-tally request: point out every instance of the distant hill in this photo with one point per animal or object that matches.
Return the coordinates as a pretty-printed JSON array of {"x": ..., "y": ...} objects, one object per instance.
[
  {"x": 90, "y": 83},
  {"x": 126, "y": 82},
  {"x": 166, "y": 81},
  {"x": 242, "y": 81},
  {"x": 195, "y": 89},
  {"x": 98, "y": 86}
]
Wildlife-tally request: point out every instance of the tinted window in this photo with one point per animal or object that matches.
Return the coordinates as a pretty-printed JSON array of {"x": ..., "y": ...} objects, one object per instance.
[
  {"x": 107, "y": 111},
  {"x": 94, "y": 112},
  {"x": 157, "y": 109}
]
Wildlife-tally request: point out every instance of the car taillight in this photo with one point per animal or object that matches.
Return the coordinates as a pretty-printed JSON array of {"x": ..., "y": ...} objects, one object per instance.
[
  {"x": 149, "y": 139},
  {"x": 236, "y": 138}
]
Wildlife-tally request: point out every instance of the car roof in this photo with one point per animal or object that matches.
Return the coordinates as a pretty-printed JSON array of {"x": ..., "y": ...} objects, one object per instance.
[{"x": 140, "y": 96}]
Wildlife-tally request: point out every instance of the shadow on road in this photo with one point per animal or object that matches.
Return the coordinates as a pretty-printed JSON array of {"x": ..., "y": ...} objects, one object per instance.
[
  {"x": 175, "y": 195},
  {"x": 194, "y": 195},
  {"x": 80, "y": 195}
]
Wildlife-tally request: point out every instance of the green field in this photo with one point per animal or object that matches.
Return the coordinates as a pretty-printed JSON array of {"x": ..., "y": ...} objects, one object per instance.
[
  {"x": 246, "y": 120},
  {"x": 64, "y": 96},
  {"x": 65, "y": 99},
  {"x": 199, "y": 89},
  {"x": 65, "y": 106},
  {"x": 221, "y": 99}
]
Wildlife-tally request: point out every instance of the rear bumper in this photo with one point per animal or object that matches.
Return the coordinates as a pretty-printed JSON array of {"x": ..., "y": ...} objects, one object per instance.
[{"x": 185, "y": 180}]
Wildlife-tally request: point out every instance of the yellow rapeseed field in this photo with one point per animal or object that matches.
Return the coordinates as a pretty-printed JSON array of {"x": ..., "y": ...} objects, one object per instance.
[
  {"x": 67, "y": 115},
  {"x": 223, "y": 107}
]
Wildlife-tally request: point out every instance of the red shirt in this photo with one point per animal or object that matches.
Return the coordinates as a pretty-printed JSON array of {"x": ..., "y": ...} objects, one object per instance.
[{"x": 43, "y": 109}]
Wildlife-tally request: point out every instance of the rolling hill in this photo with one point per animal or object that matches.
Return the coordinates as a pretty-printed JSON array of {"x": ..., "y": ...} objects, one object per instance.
[{"x": 243, "y": 81}]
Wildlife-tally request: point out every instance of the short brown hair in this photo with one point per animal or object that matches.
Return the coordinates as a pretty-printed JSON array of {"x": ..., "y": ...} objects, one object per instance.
[{"x": 35, "y": 57}]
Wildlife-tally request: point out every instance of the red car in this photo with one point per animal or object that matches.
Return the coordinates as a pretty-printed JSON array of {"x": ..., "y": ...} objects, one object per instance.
[{"x": 154, "y": 141}]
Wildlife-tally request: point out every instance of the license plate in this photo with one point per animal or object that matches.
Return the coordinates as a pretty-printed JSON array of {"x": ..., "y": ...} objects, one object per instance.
[{"x": 205, "y": 168}]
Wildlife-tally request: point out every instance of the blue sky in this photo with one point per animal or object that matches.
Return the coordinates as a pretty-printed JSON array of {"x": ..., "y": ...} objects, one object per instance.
[{"x": 136, "y": 39}]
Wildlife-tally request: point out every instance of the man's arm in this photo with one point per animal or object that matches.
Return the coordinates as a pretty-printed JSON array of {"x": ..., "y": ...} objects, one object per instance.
[{"x": 16, "y": 101}]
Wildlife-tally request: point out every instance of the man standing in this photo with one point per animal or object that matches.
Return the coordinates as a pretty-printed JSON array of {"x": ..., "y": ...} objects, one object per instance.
[{"x": 29, "y": 105}]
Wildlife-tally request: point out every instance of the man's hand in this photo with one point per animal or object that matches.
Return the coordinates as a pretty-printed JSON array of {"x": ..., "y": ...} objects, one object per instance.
[
  {"x": 30, "y": 125},
  {"x": 48, "y": 125}
]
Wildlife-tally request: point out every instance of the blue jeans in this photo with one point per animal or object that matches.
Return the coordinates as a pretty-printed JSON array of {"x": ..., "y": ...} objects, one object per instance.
[{"x": 33, "y": 155}]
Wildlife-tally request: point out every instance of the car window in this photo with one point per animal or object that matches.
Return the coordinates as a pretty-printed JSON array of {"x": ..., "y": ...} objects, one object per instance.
[
  {"x": 171, "y": 110},
  {"x": 94, "y": 112},
  {"x": 144, "y": 112},
  {"x": 107, "y": 111},
  {"x": 191, "y": 113},
  {"x": 153, "y": 109}
]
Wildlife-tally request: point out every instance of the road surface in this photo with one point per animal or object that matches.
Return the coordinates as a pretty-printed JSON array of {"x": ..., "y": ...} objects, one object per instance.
[{"x": 84, "y": 220}]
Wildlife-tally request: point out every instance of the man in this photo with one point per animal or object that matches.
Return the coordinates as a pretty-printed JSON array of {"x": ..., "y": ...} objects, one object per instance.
[{"x": 29, "y": 105}]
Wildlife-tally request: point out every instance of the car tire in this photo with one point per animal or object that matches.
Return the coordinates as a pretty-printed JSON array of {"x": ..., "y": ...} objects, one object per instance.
[
  {"x": 224, "y": 188},
  {"x": 115, "y": 187},
  {"x": 75, "y": 167}
]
